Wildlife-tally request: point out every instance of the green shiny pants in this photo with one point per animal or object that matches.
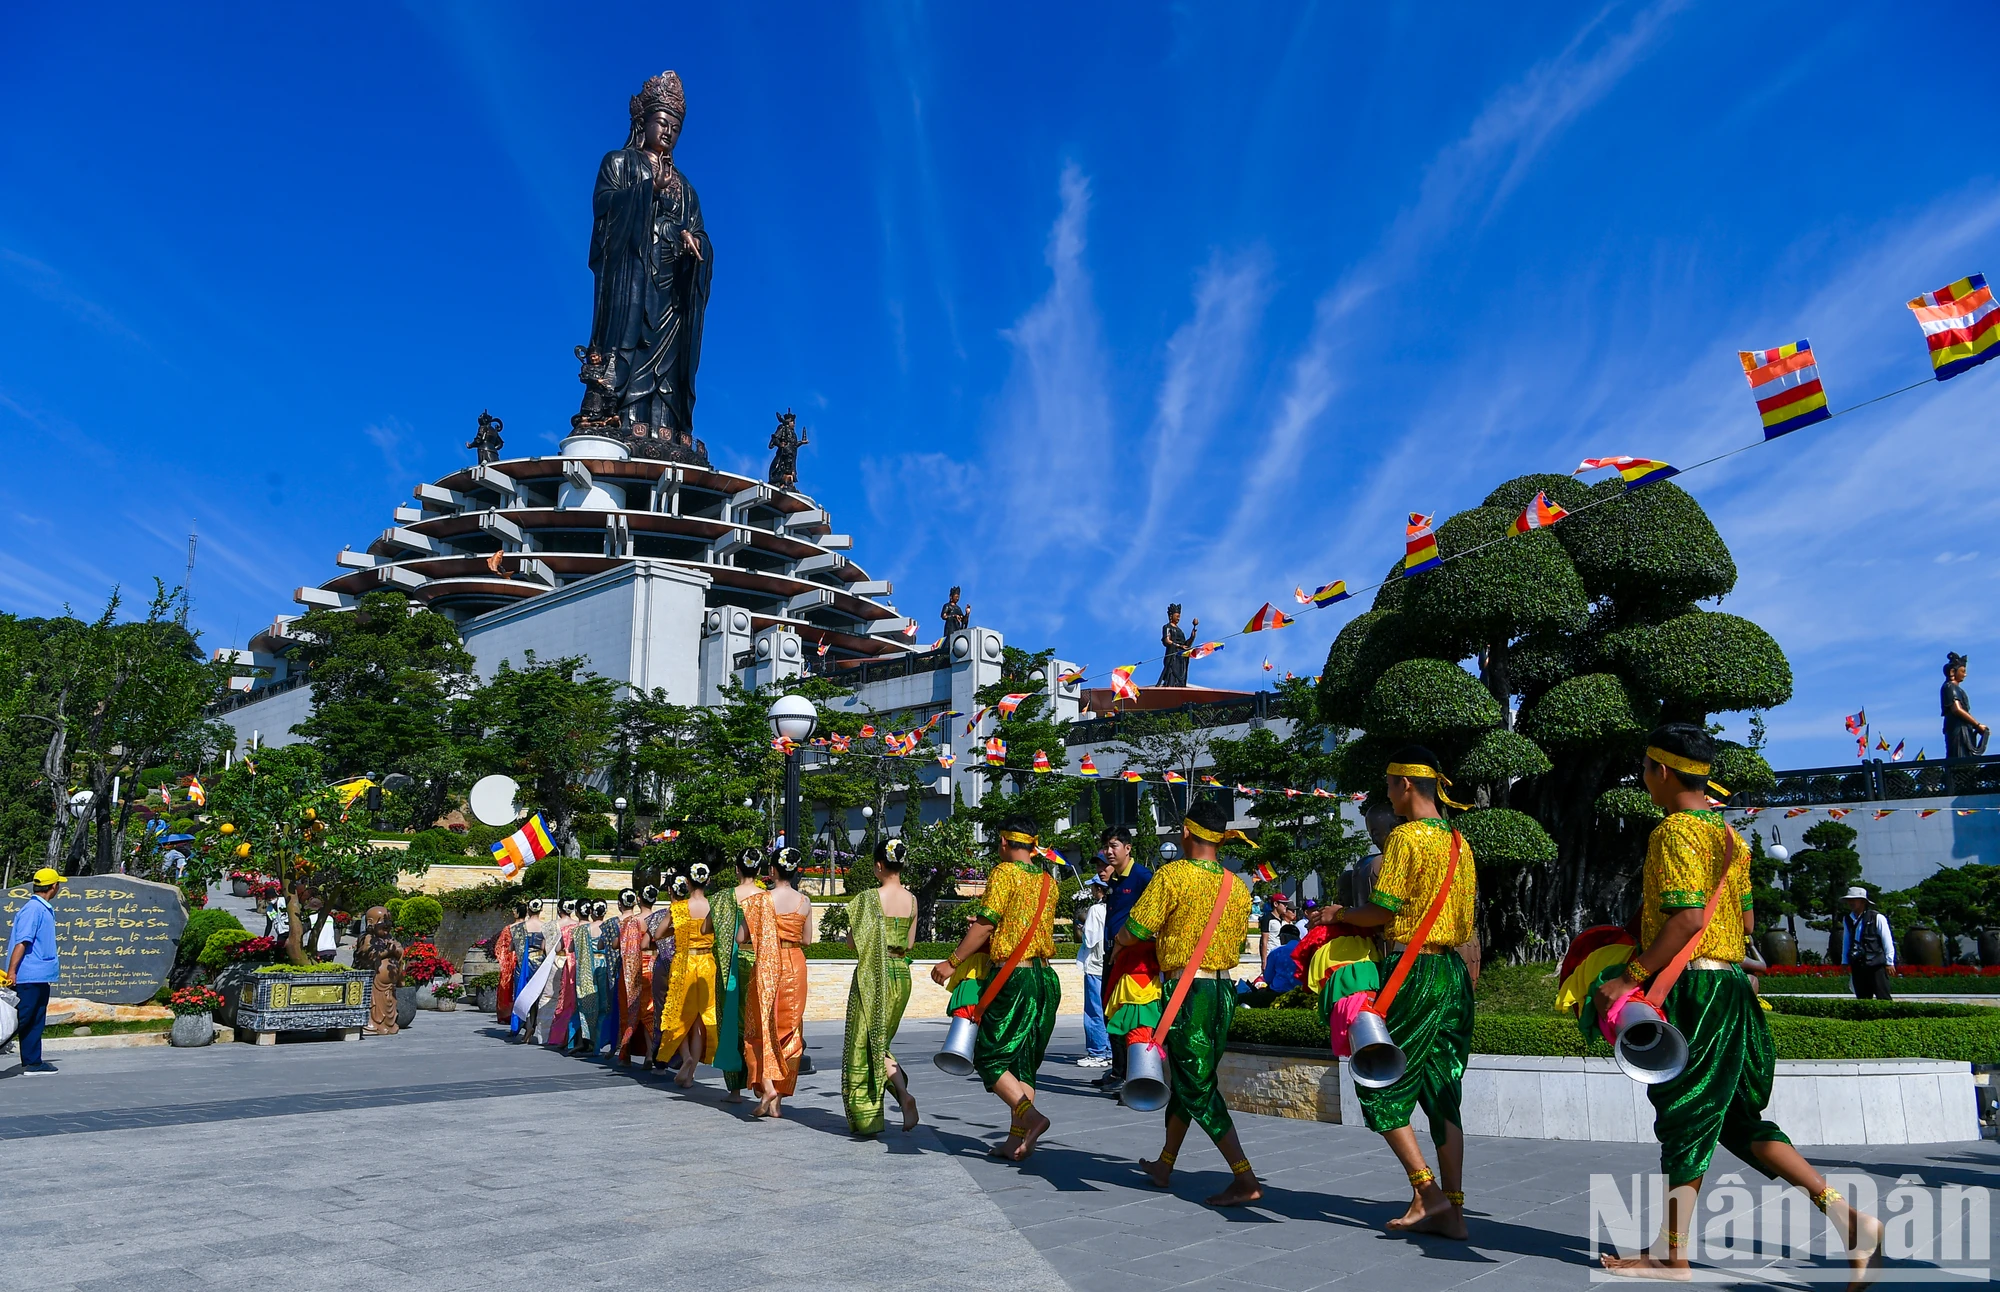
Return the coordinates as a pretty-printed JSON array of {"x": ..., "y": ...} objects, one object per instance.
[{"x": 1431, "y": 1018}]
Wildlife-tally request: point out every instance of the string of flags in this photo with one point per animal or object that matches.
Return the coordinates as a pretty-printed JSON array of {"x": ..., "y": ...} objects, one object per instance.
[
  {"x": 1746, "y": 815},
  {"x": 1961, "y": 328}
]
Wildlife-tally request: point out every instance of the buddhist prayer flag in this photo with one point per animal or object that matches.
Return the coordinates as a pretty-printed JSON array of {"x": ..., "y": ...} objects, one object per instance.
[
  {"x": 1121, "y": 683},
  {"x": 1896, "y": 755},
  {"x": 1328, "y": 593},
  {"x": 1319, "y": 793},
  {"x": 1291, "y": 794},
  {"x": 1263, "y": 873},
  {"x": 1246, "y": 791},
  {"x": 1421, "y": 548},
  {"x": 785, "y": 745},
  {"x": 972, "y": 723},
  {"x": 1175, "y": 778},
  {"x": 1073, "y": 676},
  {"x": 866, "y": 731},
  {"x": 528, "y": 844},
  {"x": 1882, "y": 812},
  {"x": 1856, "y": 721},
  {"x": 1041, "y": 761},
  {"x": 1087, "y": 767},
  {"x": 1792, "y": 812},
  {"x": 1960, "y": 325},
  {"x": 1920, "y": 755},
  {"x": 822, "y": 648},
  {"x": 1636, "y": 471},
  {"x": 1785, "y": 384},
  {"x": 1881, "y": 742},
  {"x": 1963, "y": 811},
  {"x": 1268, "y": 618},
  {"x": 1210, "y": 780},
  {"x": 1009, "y": 703},
  {"x": 1204, "y": 650},
  {"x": 1267, "y": 663},
  {"x": 1129, "y": 775},
  {"x": 1359, "y": 796},
  {"x": 1541, "y": 514},
  {"x": 946, "y": 758},
  {"x": 1299, "y": 595},
  {"x": 996, "y": 752},
  {"x": 1928, "y": 812},
  {"x": 1837, "y": 813},
  {"x": 196, "y": 794},
  {"x": 910, "y": 630}
]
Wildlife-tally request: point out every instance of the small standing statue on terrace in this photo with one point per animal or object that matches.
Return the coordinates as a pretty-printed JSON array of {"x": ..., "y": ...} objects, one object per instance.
[
  {"x": 486, "y": 441},
  {"x": 1174, "y": 668},
  {"x": 955, "y": 616},
  {"x": 785, "y": 445}
]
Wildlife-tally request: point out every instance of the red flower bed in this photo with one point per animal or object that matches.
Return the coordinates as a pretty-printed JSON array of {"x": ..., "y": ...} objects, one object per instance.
[
  {"x": 254, "y": 949},
  {"x": 422, "y": 964}
]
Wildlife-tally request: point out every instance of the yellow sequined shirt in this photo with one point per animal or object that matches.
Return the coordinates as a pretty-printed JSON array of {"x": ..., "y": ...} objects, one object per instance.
[
  {"x": 1175, "y": 908},
  {"x": 1009, "y": 906},
  {"x": 1413, "y": 865},
  {"x": 1683, "y": 860}
]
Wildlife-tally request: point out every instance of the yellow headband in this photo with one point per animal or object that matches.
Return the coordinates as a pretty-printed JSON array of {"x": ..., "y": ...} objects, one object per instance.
[
  {"x": 1679, "y": 764},
  {"x": 1015, "y": 836},
  {"x": 1425, "y": 772},
  {"x": 1207, "y": 835}
]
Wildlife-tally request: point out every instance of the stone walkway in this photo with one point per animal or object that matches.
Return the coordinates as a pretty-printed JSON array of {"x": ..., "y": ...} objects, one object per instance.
[{"x": 444, "y": 1158}]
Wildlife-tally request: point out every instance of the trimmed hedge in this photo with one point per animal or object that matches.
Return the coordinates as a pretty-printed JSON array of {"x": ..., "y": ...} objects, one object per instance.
[
  {"x": 921, "y": 951},
  {"x": 1961, "y": 1039},
  {"x": 1584, "y": 710},
  {"x": 1837, "y": 1007},
  {"x": 195, "y": 936},
  {"x": 1504, "y": 837},
  {"x": 1500, "y": 756},
  {"x": 1431, "y": 700}
]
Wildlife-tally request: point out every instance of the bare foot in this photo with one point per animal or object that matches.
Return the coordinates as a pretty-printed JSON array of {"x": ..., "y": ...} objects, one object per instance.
[
  {"x": 1431, "y": 1213},
  {"x": 1864, "y": 1250},
  {"x": 1160, "y": 1173},
  {"x": 1035, "y": 1126},
  {"x": 777, "y": 1106},
  {"x": 1004, "y": 1150},
  {"x": 733, "y": 1097},
  {"x": 909, "y": 1113},
  {"x": 1242, "y": 1191},
  {"x": 686, "y": 1079},
  {"x": 1646, "y": 1267}
]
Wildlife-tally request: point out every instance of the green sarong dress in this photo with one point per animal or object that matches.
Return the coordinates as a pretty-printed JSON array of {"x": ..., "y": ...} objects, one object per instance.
[
  {"x": 1721, "y": 1094},
  {"x": 875, "y": 1003},
  {"x": 1015, "y": 1031},
  {"x": 1194, "y": 1053},
  {"x": 1431, "y": 1019},
  {"x": 726, "y": 915}
]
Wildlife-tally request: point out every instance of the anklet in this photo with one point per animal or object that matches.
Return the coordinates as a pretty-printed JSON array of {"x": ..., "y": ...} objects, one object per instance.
[
  {"x": 1674, "y": 1241},
  {"x": 1826, "y": 1197},
  {"x": 1165, "y": 1159},
  {"x": 1240, "y": 1168},
  {"x": 1455, "y": 1196},
  {"x": 1421, "y": 1177},
  {"x": 1027, "y": 1101},
  {"x": 1015, "y": 1132}
]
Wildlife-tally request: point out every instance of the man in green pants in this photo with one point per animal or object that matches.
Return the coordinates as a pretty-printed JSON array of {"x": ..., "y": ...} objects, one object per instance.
[{"x": 1173, "y": 913}]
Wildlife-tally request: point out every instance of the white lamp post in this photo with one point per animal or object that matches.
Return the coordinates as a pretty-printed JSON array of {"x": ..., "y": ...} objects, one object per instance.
[{"x": 793, "y": 718}]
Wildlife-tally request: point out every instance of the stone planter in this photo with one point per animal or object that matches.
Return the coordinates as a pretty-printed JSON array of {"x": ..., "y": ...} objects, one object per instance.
[
  {"x": 191, "y": 1030},
  {"x": 335, "y": 999},
  {"x": 489, "y": 1000},
  {"x": 239, "y": 887},
  {"x": 406, "y": 1006}
]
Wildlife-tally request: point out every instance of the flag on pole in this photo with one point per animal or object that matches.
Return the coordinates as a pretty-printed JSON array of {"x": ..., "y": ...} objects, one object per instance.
[
  {"x": 528, "y": 844},
  {"x": 1129, "y": 775},
  {"x": 1637, "y": 471},
  {"x": 1175, "y": 778},
  {"x": 1541, "y": 514},
  {"x": 1041, "y": 762},
  {"x": 1856, "y": 721},
  {"x": 1328, "y": 593},
  {"x": 1263, "y": 873},
  {"x": 910, "y": 630},
  {"x": 1960, "y": 325},
  {"x": 1421, "y": 548},
  {"x": 1204, "y": 650},
  {"x": 1086, "y": 767},
  {"x": 1009, "y": 703},
  {"x": 196, "y": 794},
  {"x": 1785, "y": 384},
  {"x": 1861, "y": 745},
  {"x": 822, "y": 648},
  {"x": 996, "y": 752},
  {"x": 1881, "y": 742},
  {"x": 1896, "y": 755},
  {"x": 1269, "y": 617},
  {"x": 934, "y": 645},
  {"x": 1300, "y": 595},
  {"x": 1267, "y": 663},
  {"x": 1920, "y": 754}
]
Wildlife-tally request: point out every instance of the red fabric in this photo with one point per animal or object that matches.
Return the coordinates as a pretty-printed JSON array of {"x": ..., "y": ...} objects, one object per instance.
[{"x": 1592, "y": 939}]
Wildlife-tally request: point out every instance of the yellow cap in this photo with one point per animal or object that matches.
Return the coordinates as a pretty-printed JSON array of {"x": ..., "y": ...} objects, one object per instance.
[{"x": 45, "y": 877}]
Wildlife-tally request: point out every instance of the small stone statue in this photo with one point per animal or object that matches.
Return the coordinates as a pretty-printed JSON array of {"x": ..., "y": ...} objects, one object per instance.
[
  {"x": 785, "y": 446},
  {"x": 1174, "y": 668},
  {"x": 487, "y": 440},
  {"x": 600, "y": 393},
  {"x": 377, "y": 950},
  {"x": 955, "y": 616}
]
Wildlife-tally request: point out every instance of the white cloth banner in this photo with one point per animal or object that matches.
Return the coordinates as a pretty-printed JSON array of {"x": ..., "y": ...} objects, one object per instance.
[{"x": 525, "y": 999}]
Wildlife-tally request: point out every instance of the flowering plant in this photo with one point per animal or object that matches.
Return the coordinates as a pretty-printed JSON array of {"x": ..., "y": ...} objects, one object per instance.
[
  {"x": 253, "y": 949},
  {"x": 266, "y": 888},
  {"x": 422, "y": 963},
  {"x": 195, "y": 1000},
  {"x": 447, "y": 991}
]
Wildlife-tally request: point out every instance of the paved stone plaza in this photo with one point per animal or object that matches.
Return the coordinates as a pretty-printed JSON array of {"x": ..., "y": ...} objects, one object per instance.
[{"x": 444, "y": 1159}]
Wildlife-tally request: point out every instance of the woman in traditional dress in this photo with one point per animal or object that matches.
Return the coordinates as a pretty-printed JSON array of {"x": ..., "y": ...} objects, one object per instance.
[
  {"x": 660, "y": 936},
  {"x": 636, "y": 952},
  {"x": 583, "y": 1032},
  {"x": 605, "y": 939},
  {"x": 732, "y": 970},
  {"x": 774, "y": 927},
  {"x": 562, "y": 984},
  {"x": 531, "y": 949},
  {"x": 507, "y": 955},
  {"x": 687, "y": 1020},
  {"x": 880, "y": 921}
]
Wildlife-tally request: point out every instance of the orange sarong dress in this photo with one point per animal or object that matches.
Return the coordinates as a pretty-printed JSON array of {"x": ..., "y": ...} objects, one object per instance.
[{"x": 775, "y": 1011}]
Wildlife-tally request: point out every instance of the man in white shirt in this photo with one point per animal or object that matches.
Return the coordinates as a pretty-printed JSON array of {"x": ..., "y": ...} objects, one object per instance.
[
  {"x": 1090, "y": 954},
  {"x": 1281, "y": 914}
]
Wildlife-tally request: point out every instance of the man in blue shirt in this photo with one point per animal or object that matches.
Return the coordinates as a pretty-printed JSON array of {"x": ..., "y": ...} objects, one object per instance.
[
  {"x": 31, "y": 965},
  {"x": 1280, "y": 973},
  {"x": 1129, "y": 879}
]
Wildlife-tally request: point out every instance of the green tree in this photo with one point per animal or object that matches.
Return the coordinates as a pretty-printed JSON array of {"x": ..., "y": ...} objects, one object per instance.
[
  {"x": 938, "y": 854},
  {"x": 1297, "y": 835},
  {"x": 1591, "y": 626},
  {"x": 1013, "y": 787},
  {"x": 548, "y": 724},
  {"x": 386, "y": 678},
  {"x": 1821, "y": 871}
]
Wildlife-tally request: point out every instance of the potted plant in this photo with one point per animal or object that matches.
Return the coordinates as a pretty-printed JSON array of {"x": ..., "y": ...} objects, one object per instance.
[
  {"x": 423, "y": 967},
  {"x": 239, "y": 883},
  {"x": 486, "y": 991},
  {"x": 194, "y": 1016},
  {"x": 447, "y": 995}
]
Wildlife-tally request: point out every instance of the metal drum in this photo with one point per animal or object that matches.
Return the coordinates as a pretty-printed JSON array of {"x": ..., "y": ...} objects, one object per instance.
[
  {"x": 1645, "y": 1045},
  {"x": 1377, "y": 1061},
  {"x": 1145, "y": 1087},
  {"x": 956, "y": 1056}
]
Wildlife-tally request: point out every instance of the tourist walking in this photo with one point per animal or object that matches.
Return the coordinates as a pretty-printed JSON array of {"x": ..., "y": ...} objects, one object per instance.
[
  {"x": 33, "y": 967},
  {"x": 732, "y": 970},
  {"x": 1129, "y": 878},
  {"x": 774, "y": 1012},
  {"x": 1696, "y": 890},
  {"x": 1197, "y": 914},
  {"x": 1863, "y": 943},
  {"x": 1090, "y": 955},
  {"x": 1000, "y": 971},
  {"x": 687, "y": 1019},
  {"x": 1964, "y": 735},
  {"x": 1426, "y": 866},
  {"x": 880, "y": 924}
]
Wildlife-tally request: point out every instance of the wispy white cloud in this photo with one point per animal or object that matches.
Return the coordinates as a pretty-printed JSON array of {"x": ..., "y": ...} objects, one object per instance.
[{"x": 387, "y": 435}]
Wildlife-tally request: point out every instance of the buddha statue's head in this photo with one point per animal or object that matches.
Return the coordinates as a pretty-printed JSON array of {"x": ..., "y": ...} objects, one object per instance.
[{"x": 657, "y": 111}]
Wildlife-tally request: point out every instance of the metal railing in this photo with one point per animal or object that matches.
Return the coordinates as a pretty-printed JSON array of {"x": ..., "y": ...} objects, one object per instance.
[
  {"x": 905, "y": 665},
  {"x": 1875, "y": 780},
  {"x": 1212, "y": 713},
  {"x": 238, "y": 699}
]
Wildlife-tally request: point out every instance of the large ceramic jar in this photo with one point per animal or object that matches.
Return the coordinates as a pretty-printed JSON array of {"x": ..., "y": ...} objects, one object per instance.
[
  {"x": 1923, "y": 946},
  {"x": 1780, "y": 948}
]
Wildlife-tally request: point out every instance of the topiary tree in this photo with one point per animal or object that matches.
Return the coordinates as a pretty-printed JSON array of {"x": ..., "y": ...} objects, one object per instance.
[
  {"x": 1535, "y": 665},
  {"x": 421, "y": 915}
]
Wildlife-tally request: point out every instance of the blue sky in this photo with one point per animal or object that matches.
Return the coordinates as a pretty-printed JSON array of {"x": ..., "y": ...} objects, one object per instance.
[{"x": 1087, "y": 308}]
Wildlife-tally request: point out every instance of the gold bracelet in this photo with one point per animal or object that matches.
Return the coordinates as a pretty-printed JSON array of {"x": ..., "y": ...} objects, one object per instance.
[
  {"x": 1637, "y": 972},
  {"x": 951, "y": 962}
]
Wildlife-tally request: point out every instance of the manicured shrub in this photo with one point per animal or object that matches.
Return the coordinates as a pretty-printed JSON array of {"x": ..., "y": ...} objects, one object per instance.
[
  {"x": 1294, "y": 1029},
  {"x": 419, "y": 917},
  {"x": 542, "y": 878},
  {"x": 215, "y": 951},
  {"x": 1839, "y": 1007},
  {"x": 200, "y": 926},
  {"x": 1504, "y": 837}
]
